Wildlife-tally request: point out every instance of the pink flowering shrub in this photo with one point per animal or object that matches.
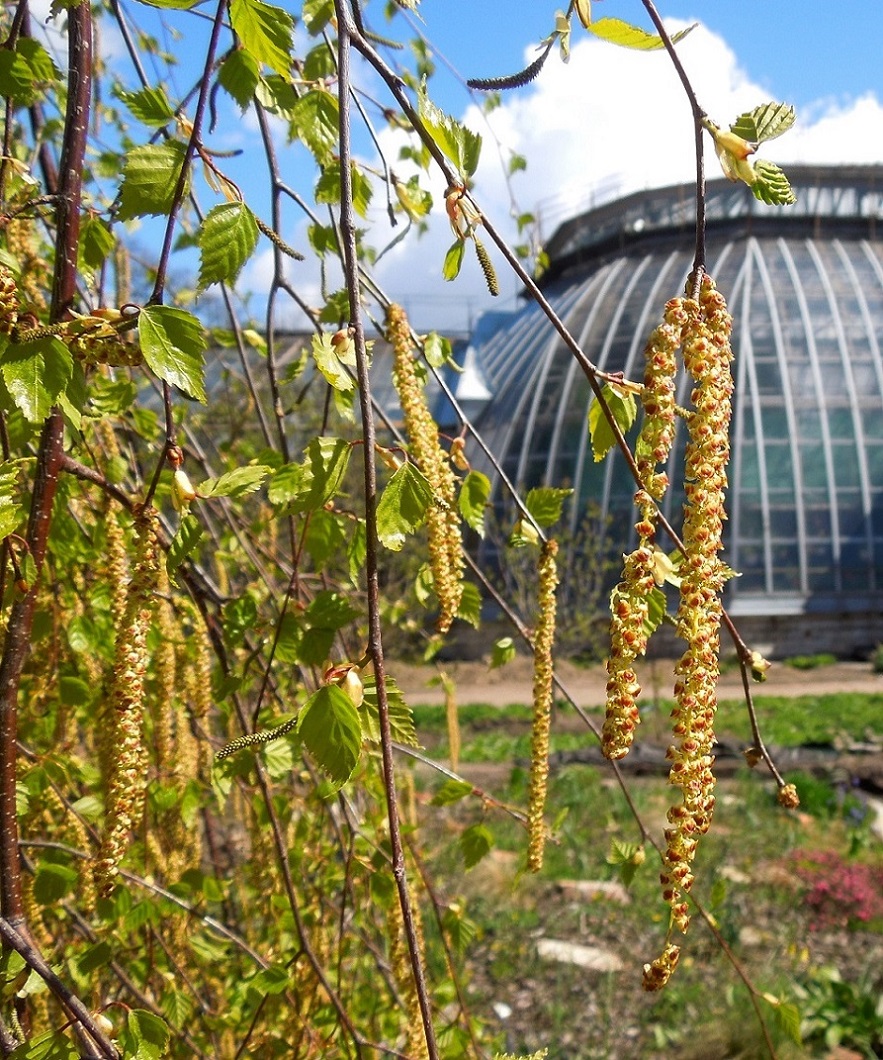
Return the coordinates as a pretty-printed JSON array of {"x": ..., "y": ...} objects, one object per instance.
[{"x": 839, "y": 894}]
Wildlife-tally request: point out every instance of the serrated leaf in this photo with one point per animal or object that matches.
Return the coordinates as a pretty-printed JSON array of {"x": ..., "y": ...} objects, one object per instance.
[
  {"x": 459, "y": 144},
  {"x": 437, "y": 350},
  {"x": 145, "y": 1036},
  {"x": 314, "y": 120},
  {"x": 332, "y": 361},
  {"x": 266, "y": 31},
  {"x": 503, "y": 651},
  {"x": 317, "y": 14},
  {"x": 184, "y": 543},
  {"x": 177, "y": 1007},
  {"x": 226, "y": 240},
  {"x": 771, "y": 185},
  {"x": 624, "y": 409},
  {"x": 454, "y": 260},
  {"x": 402, "y": 506},
  {"x": 311, "y": 485},
  {"x": 235, "y": 483},
  {"x": 96, "y": 242},
  {"x": 452, "y": 791},
  {"x": 476, "y": 842},
  {"x": 172, "y": 342},
  {"x": 545, "y": 504},
  {"x": 788, "y": 1017},
  {"x": 35, "y": 374},
  {"x": 469, "y": 608},
  {"x": 401, "y": 720},
  {"x": 53, "y": 882},
  {"x": 171, "y": 5},
  {"x": 615, "y": 31},
  {"x": 328, "y": 187},
  {"x": 765, "y": 122},
  {"x": 656, "y": 605},
  {"x": 239, "y": 75},
  {"x": 53, "y": 1045},
  {"x": 331, "y": 731},
  {"x": 273, "y": 980},
  {"x": 150, "y": 176},
  {"x": 473, "y": 500},
  {"x": 149, "y": 105},
  {"x": 10, "y": 509}
]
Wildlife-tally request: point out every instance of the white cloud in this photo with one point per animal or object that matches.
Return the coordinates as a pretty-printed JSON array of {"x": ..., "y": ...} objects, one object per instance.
[{"x": 607, "y": 123}]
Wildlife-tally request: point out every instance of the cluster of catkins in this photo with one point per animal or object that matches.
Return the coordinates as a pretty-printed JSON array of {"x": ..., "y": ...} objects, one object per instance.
[
  {"x": 445, "y": 540},
  {"x": 701, "y": 328}
]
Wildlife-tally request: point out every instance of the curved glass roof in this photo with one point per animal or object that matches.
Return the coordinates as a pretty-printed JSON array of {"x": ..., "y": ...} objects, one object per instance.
[{"x": 806, "y": 294}]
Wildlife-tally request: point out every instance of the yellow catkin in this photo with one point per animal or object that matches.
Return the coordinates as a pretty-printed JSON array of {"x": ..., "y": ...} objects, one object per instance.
[
  {"x": 9, "y": 301},
  {"x": 452, "y": 715},
  {"x": 128, "y": 765},
  {"x": 442, "y": 520},
  {"x": 543, "y": 675},
  {"x": 33, "y": 268},
  {"x": 400, "y": 964},
  {"x": 707, "y": 357},
  {"x": 628, "y": 602}
]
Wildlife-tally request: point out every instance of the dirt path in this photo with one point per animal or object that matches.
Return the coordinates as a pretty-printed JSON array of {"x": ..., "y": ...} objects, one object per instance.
[{"x": 476, "y": 683}]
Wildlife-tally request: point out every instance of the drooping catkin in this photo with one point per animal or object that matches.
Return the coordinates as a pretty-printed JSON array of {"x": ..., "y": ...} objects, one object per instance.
[
  {"x": 543, "y": 678},
  {"x": 452, "y": 716},
  {"x": 403, "y": 974},
  {"x": 628, "y": 602},
  {"x": 445, "y": 541},
  {"x": 128, "y": 764},
  {"x": 9, "y": 301},
  {"x": 707, "y": 357}
]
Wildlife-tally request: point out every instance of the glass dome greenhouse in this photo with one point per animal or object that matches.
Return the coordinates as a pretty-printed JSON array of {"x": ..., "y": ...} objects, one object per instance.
[{"x": 805, "y": 287}]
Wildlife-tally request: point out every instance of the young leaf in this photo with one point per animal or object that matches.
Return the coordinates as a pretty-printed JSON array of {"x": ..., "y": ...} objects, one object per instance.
[
  {"x": 330, "y": 728},
  {"x": 239, "y": 75},
  {"x": 454, "y": 260},
  {"x": 150, "y": 106},
  {"x": 475, "y": 843},
  {"x": 184, "y": 543},
  {"x": 459, "y": 144},
  {"x": 332, "y": 361},
  {"x": 656, "y": 605},
  {"x": 473, "y": 500},
  {"x": 96, "y": 242},
  {"x": 503, "y": 652},
  {"x": 10, "y": 509},
  {"x": 315, "y": 120},
  {"x": 328, "y": 187},
  {"x": 35, "y": 374},
  {"x": 764, "y": 122},
  {"x": 226, "y": 239},
  {"x": 452, "y": 791},
  {"x": 235, "y": 483},
  {"x": 309, "y": 486},
  {"x": 266, "y": 31},
  {"x": 401, "y": 720},
  {"x": 545, "y": 504},
  {"x": 771, "y": 185},
  {"x": 437, "y": 350},
  {"x": 402, "y": 506},
  {"x": 172, "y": 342},
  {"x": 624, "y": 409},
  {"x": 145, "y": 1036},
  {"x": 469, "y": 608},
  {"x": 150, "y": 176},
  {"x": 615, "y": 31}
]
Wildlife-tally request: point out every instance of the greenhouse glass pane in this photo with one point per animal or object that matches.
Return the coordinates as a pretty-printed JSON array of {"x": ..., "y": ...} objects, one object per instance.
[
  {"x": 774, "y": 420},
  {"x": 779, "y": 466},
  {"x": 817, "y": 519},
  {"x": 783, "y": 522},
  {"x": 850, "y": 512},
  {"x": 872, "y": 422},
  {"x": 750, "y": 519},
  {"x": 769, "y": 380},
  {"x": 749, "y": 475},
  {"x": 840, "y": 423},
  {"x": 812, "y": 459}
]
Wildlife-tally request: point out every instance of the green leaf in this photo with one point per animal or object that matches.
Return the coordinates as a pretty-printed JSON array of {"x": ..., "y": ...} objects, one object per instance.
[
  {"x": 177, "y": 1007},
  {"x": 328, "y": 187},
  {"x": 53, "y": 882},
  {"x": 10, "y": 509},
  {"x": 273, "y": 980},
  {"x": 150, "y": 177},
  {"x": 469, "y": 608},
  {"x": 452, "y": 791},
  {"x": 226, "y": 240},
  {"x": 475, "y": 843},
  {"x": 145, "y": 1036},
  {"x": 172, "y": 5},
  {"x": 266, "y": 31},
  {"x": 473, "y": 500},
  {"x": 771, "y": 185},
  {"x": 96, "y": 242},
  {"x": 317, "y": 14},
  {"x": 172, "y": 342},
  {"x": 235, "y": 483},
  {"x": 437, "y": 350},
  {"x": 239, "y": 75},
  {"x": 788, "y": 1017},
  {"x": 184, "y": 543},
  {"x": 315, "y": 119},
  {"x": 615, "y": 31},
  {"x": 53, "y": 1045},
  {"x": 503, "y": 651},
  {"x": 401, "y": 720},
  {"x": 330, "y": 728},
  {"x": 545, "y": 504},
  {"x": 454, "y": 260},
  {"x": 656, "y": 605},
  {"x": 35, "y": 374},
  {"x": 149, "y": 105},
  {"x": 765, "y": 122},
  {"x": 459, "y": 144},
  {"x": 624, "y": 409},
  {"x": 310, "y": 486},
  {"x": 332, "y": 361},
  {"x": 402, "y": 506}
]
